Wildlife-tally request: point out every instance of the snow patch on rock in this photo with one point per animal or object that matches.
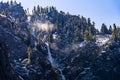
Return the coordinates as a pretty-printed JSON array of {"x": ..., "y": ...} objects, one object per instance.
[
  {"x": 102, "y": 39},
  {"x": 82, "y": 44}
]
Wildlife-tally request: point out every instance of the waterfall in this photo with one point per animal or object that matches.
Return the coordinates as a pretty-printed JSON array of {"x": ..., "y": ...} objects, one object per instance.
[
  {"x": 63, "y": 77},
  {"x": 50, "y": 58},
  {"x": 49, "y": 55}
]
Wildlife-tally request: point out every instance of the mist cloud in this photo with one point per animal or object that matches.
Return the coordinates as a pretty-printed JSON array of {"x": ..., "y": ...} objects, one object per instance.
[{"x": 44, "y": 26}]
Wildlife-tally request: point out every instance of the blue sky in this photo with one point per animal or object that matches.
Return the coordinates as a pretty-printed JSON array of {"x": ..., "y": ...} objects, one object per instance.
[{"x": 100, "y": 11}]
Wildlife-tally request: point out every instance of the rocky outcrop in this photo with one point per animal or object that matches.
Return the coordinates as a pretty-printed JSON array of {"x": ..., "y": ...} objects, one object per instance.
[
  {"x": 6, "y": 71},
  {"x": 24, "y": 56},
  {"x": 17, "y": 46}
]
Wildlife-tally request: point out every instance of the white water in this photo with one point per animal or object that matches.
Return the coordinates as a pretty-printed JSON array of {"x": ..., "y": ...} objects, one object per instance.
[
  {"x": 49, "y": 55},
  {"x": 50, "y": 58},
  {"x": 63, "y": 77}
]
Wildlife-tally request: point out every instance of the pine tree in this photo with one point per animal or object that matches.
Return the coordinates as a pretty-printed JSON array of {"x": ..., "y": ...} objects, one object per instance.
[
  {"x": 114, "y": 26},
  {"x": 93, "y": 24},
  {"x": 8, "y": 2},
  {"x": 46, "y": 10},
  {"x": 15, "y": 2},
  {"x": 11, "y": 2},
  {"x": 92, "y": 29},
  {"x": 20, "y": 3},
  {"x": 88, "y": 36},
  {"x": 42, "y": 10},
  {"x": 34, "y": 9},
  {"x": 104, "y": 29},
  {"x": 78, "y": 35},
  {"x": 89, "y": 22},
  {"x": 110, "y": 29},
  {"x": 115, "y": 33},
  {"x": 38, "y": 8}
]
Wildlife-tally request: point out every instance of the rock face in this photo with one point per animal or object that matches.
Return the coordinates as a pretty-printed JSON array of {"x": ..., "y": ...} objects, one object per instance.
[
  {"x": 23, "y": 56},
  {"x": 6, "y": 71},
  {"x": 14, "y": 42},
  {"x": 106, "y": 66}
]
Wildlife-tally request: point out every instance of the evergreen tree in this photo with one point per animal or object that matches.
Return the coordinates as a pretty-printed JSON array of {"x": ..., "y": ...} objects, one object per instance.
[
  {"x": 104, "y": 29},
  {"x": 115, "y": 33},
  {"x": 114, "y": 26},
  {"x": 78, "y": 35},
  {"x": 28, "y": 11},
  {"x": 93, "y": 24},
  {"x": 42, "y": 10},
  {"x": 92, "y": 29},
  {"x": 110, "y": 29},
  {"x": 34, "y": 9},
  {"x": 8, "y": 2},
  {"x": 15, "y": 2},
  {"x": 38, "y": 8},
  {"x": 88, "y": 36},
  {"x": 89, "y": 22},
  {"x": 11, "y": 2},
  {"x": 46, "y": 10},
  {"x": 20, "y": 3}
]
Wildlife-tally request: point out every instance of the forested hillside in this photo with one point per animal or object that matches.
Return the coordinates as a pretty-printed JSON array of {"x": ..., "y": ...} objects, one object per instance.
[{"x": 53, "y": 45}]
